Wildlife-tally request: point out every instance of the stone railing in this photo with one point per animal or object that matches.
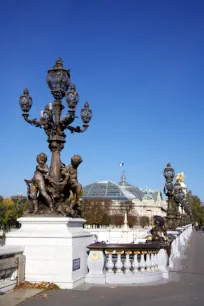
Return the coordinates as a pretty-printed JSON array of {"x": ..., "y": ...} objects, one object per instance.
[
  {"x": 12, "y": 267},
  {"x": 126, "y": 263},
  {"x": 180, "y": 242},
  {"x": 135, "y": 263}
]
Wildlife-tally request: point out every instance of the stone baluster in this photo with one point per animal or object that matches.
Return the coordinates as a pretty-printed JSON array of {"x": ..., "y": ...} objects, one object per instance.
[
  {"x": 182, "y": 240},
  {"x": 151, "y": 260},
  {"x": 190, "y": 229},
  {"x": 14, "y": 274},
  {"x": 127, "y": 263},
  {"x": 8, "y": 274},
  {"x": 153, "y": 263},
  {"x": 187, "y": 233},
  {"x": 162, "y": 260},
  {"x": 177, "y": 247},
  {"x": 119, "y": 264},
  {"x": 96, "y": 263},
  {"x": 173, "y": 249},
  {"x": 184, "y": 234},
  {"x": 2, "y": 274},
  {"x": 110, "y": 264},
  {"x": 156, "y": 268},
  {"x": 148, "y": 262},
  {"x": 142, "y": 262},
  {"x": 136, "y": 263}
]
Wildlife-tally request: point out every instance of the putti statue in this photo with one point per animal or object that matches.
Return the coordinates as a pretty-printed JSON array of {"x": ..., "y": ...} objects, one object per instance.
[
  {"x": 55, "y": 189},
  {"x": 61, "y": 197},
  {"x": 37, "y": 185}
]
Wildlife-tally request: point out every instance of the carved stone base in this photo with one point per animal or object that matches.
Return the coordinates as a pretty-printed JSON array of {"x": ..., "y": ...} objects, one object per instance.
[{"x": 55, "y": 249}]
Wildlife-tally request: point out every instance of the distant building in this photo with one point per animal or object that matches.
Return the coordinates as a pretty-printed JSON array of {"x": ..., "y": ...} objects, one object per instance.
[{"x": 146, "y": 202}]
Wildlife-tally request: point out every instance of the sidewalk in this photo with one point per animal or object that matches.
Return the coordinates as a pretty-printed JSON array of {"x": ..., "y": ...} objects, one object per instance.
[{"x": 186, "y": 287}]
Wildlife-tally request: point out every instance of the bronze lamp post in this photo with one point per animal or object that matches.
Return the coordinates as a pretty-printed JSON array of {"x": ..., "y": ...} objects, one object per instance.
[
  {"x": 176, "y": 197},
  {"x": 51, "y": 187},
  {"x": 169, "y": 175},
  {"x": 179, "y": 196},
  {"x": 189, "y": 215}
]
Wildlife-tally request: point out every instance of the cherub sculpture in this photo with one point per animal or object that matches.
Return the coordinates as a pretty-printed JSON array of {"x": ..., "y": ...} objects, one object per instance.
[
  {"x": 37, "y": 185},
  {"x": 70, "y": 182},
  {"x": 60, "y": 196}
]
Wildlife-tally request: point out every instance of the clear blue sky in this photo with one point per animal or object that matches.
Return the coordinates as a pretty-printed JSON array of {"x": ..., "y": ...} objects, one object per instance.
[{"x": 140, "y": 64}]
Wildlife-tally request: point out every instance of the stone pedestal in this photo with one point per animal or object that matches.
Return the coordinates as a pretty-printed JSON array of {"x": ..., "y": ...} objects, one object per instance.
[{"x": 55, "y": 249}]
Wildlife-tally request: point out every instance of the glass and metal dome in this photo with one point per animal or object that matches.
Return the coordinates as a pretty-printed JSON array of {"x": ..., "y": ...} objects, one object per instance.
[
  {"x": 138, "y": 194},
  {"x": 122, "y": 191},
  {"x": 108, "y": 189}
]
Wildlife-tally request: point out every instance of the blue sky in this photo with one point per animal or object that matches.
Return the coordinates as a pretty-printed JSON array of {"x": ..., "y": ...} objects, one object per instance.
[{"x": 140, "y": 64}]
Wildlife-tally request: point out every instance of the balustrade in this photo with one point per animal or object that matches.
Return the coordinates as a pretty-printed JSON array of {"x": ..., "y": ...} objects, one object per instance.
[
  {"x": 135, "y": 263},
  {"x": 131, "y": 261},
  {"x": 125, "y": 263}
]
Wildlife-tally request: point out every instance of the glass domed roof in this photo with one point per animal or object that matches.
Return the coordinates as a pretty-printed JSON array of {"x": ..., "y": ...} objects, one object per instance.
[
  {"x": 108, "y": 189},
  {"x": 130, "y": 188}
]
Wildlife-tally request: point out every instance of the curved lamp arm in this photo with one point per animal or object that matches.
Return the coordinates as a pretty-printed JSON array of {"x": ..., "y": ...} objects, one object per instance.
[
  {"x": 37, "y": 123},
  {"x": 47, "y": 124},
  {"x": 25, "y": 103},
  {"x": 67, "y": 120},
  {"x": 78, "y": 129}
]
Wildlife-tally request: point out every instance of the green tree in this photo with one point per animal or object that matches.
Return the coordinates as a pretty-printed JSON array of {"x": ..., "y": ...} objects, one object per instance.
[
  {"x": 10, "y": 211},
  {"x": 126, "y": 206},
  {"x": 6, "y": 213},
  {"x": 132, "y": 220},
  {"x": 80, "y": 208},
  {"x": 144, "y": 221},
  {"x": 196, "y": 207},
  {"x": 106, "y": 220},
  {"x": 96, "y": 210},
  {"x": 117, "y": 219}
]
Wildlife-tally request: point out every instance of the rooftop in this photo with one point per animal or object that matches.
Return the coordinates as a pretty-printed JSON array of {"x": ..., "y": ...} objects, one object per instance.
[{"x": 118, "y": 191}]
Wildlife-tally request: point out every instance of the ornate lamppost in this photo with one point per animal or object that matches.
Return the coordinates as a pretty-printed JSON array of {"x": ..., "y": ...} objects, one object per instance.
[
  {"x": 169, "y": 175},
  {"x": 179, "y": 197},
  {"x": 50, "y": 188},
  {"x": 188, "y": 217},
  {"x": 176, "y": 197}
]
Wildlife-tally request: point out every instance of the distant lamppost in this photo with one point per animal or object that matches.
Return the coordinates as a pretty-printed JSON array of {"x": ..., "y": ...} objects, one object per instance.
[
  {"x": 176, "y": 197},
  {"x": 52, "y": 187},
  {"x": 179, "y": 197},
  {"x": 182, "y": 213},
  {"x": 169, "y": 175},
  {"x": 188, "y": 217}
]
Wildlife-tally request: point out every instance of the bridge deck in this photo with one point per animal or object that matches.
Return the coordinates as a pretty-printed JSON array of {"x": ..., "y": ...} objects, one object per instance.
[{"x": 185, "y": 288}]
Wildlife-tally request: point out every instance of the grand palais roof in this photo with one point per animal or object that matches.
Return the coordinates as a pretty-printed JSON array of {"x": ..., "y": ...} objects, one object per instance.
[{"x": 119, "y": 191}]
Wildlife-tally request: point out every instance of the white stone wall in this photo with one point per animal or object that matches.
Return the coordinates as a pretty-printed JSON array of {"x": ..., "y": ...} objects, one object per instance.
[
  {"x": 55, "y": 249},
  {"x": 149, "y": 208},
  {"x": 146, "y": 207},
  {"x": 119, "y": 235}
]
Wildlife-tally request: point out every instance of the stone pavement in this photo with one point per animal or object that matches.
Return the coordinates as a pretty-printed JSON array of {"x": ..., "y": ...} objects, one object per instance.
[
  {"x": 14, "y": 297},
  {"x": 185, "y": 288}
]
